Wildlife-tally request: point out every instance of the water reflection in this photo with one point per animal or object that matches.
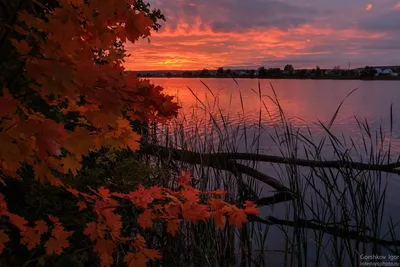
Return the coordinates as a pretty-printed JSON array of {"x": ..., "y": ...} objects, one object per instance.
[
  {"x": 236, "y": 108},
  {"x": 305, "y": 103}
]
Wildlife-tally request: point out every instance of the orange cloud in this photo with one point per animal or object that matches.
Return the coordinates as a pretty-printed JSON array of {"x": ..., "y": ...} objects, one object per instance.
[
  {"x": 397, "y": 7},
  {"x": 190, "y": 47},
  {"x": 369, "y": 7}
]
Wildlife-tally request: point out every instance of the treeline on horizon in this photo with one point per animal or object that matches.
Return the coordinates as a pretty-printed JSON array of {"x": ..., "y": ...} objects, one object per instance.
[{"x": 287, "y": 72}]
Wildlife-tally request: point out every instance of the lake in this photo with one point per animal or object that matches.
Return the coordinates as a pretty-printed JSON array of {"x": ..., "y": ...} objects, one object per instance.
[{"x": 306, "y": 104}]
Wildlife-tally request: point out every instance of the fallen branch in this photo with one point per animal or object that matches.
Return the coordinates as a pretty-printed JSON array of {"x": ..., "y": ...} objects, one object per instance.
[
  {"x": 212, "y": 161},
  {"x": 326, "y": 228},
  {"x": 223, "y": 158}
]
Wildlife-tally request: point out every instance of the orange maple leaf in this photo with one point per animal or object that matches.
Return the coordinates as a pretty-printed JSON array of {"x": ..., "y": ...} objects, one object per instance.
[
  {"x": 18, "y": 221},
  {"x": 184, "y": 177},
  {"x": 191, "y": 194},
  {"x": 30, "y": 238},
  {"x": 238, "y": 218},
  {"x": 151, "y": 254},
  {"x": 41, "y": 227},
  {"x": 173, "y": 226},
  {"x": 104, "y": 249},
  {"x": 82, "y": 205},
  {"x": 135, "y": 259},
  {"x": 251, "y": 208},
  {"x": 58, "y": 241},
  {"x": 71, "y": 163},
  {"x": 145, "y": 219},
  {"x": 94, "y": 230},
  {"x": 219, "y": 220}
]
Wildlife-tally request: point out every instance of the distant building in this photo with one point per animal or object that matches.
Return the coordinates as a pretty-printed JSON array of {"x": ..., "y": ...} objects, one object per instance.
[
  {"x": 378, "y": 71},
  {"x": 387, "y": 71}
]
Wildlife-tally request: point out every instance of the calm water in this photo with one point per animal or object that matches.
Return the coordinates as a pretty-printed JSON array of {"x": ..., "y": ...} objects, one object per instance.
[{"x": 305, "y": 102}]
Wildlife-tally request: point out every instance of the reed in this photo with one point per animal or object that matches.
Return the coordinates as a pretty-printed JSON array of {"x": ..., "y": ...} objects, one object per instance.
[{"x": 322, "y": 199}]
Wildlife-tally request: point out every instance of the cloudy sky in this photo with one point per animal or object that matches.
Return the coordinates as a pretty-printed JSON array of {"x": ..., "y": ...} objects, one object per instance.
[{"x": 253, "y": 33}]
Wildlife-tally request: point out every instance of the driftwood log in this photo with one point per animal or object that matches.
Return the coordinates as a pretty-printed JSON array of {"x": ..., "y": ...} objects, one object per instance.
[{"x": 227, "y": 162}]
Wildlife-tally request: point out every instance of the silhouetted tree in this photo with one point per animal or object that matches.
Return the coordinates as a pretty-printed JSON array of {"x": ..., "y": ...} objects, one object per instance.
[
  {"x": 336, "y": 70},
  {"x": 318, "y": 72},
  {"x": 274, "y": 72},
  {"x": 262, "y": 72},
  {"x": 252, "y": 73},
  {"x": 302, "y": 73},
  {"x": 220, "y": 72},
  {"x": 289, "y": 69},
  {"x": 368, "y": 72},
  {"x": 205, "y": 73},
  {"x": 187, "y": 74}
]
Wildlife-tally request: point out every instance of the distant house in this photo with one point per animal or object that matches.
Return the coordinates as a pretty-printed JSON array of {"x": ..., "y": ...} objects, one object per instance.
[
  {"x": 378, "y": 71},
  {"x": 387, "y": 71}
]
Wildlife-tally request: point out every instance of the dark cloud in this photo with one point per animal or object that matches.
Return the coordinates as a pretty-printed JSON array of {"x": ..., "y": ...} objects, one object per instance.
[
  {"x": 385, "y": 21},
  {"x": 238, "y": 15},
  {"x": 242, "y": 15}
]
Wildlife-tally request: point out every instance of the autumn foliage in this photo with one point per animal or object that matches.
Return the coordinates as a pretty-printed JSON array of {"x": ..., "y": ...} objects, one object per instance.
[{"x": 73, "y": 58}]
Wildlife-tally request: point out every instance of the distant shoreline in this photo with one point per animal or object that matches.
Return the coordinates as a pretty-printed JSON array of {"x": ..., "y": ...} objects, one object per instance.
[{"x": 376, "y": 78}]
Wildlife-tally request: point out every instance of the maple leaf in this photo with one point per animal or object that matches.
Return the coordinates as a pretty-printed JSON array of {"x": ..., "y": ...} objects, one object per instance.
[
  {"x": 141, "y": 197},
  {"x": 195, "y": 212},
  {"x": 91, "y": 231},
  {"x": 8, "y": 106},
  {"x": 30, "y": 238},
  {"x": 137, "y": 25},
  {"x": 251, "y": 208},
  {"x": 104, "y": 192},
  {"x": 219, "y": 220},
  {"x": 191, "y": 194},
  {"x": 3, "y": 239},
  {"x": 135, "y": 259},
  {"x": 17, "y": 221},
  {"x": 145, "y": 219},
  {"x": 49, "y": 135},
  {"x": 94, "y": 230},
  {"x": 81, "y": 205},
  {"x": 80, "y": 141},
  {"x": 185, "y": 177},
  {"x": 173, "y": 209},
  {"x": 55, "y": 246},
  {"x": 238, "y": 218},
  {"x": 151, "y": 253},
  {"x": 104, "y": 249},
  {"x": 71, "y": 163},
  {"x": 41, "y": 227},
  {"x": 173, "y": 226},
  {"x": 216, "y": 204},
  {"x": 58, "y": 241},
  {"x": 114, "y": 223},
  {"x": 22, "y": 46}
]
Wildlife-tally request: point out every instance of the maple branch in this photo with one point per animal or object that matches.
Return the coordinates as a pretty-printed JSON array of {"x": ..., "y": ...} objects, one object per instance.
[{"x": 326, "y": 228}]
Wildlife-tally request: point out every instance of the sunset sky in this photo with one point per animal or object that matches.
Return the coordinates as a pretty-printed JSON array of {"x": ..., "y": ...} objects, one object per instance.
[{"x": 253, "y": 33}]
